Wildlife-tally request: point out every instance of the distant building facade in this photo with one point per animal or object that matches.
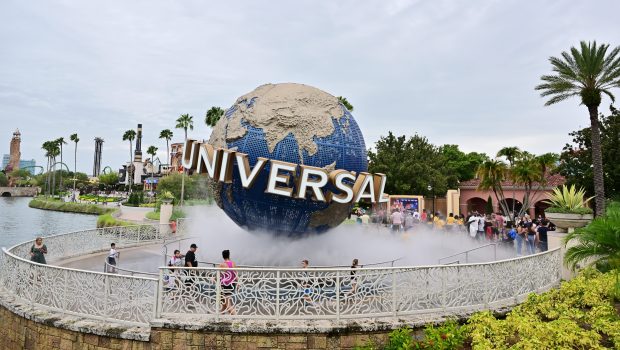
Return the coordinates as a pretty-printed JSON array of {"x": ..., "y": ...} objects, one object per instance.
[{"x": 28, "y": 165}]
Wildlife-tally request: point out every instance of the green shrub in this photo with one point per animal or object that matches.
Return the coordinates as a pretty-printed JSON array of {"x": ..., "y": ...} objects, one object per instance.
[
  {"x": 568, "y": 199},
  {"x": 152, "y": 215},
  {"x": 71, "y": 207},
  {"x": 107, "y": 220}
]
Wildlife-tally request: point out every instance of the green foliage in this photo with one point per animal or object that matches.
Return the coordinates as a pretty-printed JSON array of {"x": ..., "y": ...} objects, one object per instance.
[
  {"x": 410, "y": 165},
  {"x": 109, "y": 179},
  {"x": 107, "y": 220},
  {"x": 568, "y": 198},
  {"x": 578, "y": 315},
  {"x": 400, "y": 339},
  {"x": 213, "y": 115},
  {"x": 196, "y": 187},
  {"x": 580, "y": 211},
  {"x": 345, "y": 103},
  {"x": 598, "y": 243},
  {"x": 40, "y": 203},
  {"x": 185, "y": 121},
  {"x": 489, "y": 206},
  {"x": 4, "y": 181},
  {"x": 165, "y": 195},
  {"x": 576, "y": 157},
  {"x": 135, "y": 199},
  {"x": 460, "y": 166},
  {"x": 152, "y": 215}
]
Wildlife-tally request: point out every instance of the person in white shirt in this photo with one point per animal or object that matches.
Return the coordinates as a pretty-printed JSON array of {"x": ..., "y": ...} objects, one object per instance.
[
  {"x": 175, "y": 261},
  {"x": 112, "y": 257},
  {"x": 397, "y": 220}
]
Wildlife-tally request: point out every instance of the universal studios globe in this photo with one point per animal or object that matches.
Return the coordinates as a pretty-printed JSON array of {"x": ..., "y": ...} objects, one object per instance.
[{"x": 293, "y": 123}]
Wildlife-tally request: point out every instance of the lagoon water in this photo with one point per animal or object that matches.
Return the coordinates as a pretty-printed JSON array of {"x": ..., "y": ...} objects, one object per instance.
[{"x": 19, "y": 223}]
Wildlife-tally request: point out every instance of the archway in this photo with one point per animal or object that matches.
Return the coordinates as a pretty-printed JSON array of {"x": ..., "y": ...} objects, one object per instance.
[
  {"x": 5, "y": 194},
  {"x": 476, "y": 204},
  {"x": 509, "y": 203},
  {"x": 540, "y": 207}
]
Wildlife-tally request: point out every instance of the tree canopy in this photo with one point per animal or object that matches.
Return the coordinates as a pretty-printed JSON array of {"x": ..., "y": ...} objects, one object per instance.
[{"x": 576, "y": 157}]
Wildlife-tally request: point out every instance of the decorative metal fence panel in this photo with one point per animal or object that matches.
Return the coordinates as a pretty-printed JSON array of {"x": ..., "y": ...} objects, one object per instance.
[
  {"x": 262, "y": 293},
  {"x": 84, "y": 293},
  {"x": 345, "y": 293},
  {"x": 78, "y": 243}
]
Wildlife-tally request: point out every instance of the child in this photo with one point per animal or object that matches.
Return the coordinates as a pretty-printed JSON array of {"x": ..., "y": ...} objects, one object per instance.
[{"x": 112, "y": 256}]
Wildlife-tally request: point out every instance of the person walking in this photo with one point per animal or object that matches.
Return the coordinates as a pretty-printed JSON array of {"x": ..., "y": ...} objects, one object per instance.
[
  {"x": 190, "y": 256},
  {"x": 228, "y": 281},
  {"x": 38, "y": 251},
  {"x": 531, "y": 237},
  {"x": 354, "y": 267},
  {"x": 541, "y": 235},
  {"x": 113, "y": 255}
]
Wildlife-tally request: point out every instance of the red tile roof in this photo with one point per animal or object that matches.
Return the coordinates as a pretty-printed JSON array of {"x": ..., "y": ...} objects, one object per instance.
[{"x": 552, "y": 181}]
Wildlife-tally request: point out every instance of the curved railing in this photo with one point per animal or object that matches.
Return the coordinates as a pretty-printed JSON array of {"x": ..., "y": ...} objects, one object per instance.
[
  {"x": 324, "y": 293},
  {"x": 89, "y": 294},
  {"x": 261, "y": 293}
]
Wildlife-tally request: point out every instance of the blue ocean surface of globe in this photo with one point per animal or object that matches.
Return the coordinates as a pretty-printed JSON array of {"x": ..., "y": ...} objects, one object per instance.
[{"x": 254, "y": 209}]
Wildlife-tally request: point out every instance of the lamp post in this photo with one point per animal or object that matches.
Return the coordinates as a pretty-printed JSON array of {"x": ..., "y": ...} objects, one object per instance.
[{"x": 432, "y": 190}]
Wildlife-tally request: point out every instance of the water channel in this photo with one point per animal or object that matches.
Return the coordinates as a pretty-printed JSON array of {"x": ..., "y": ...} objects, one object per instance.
[{"x": 19, "y": 223}]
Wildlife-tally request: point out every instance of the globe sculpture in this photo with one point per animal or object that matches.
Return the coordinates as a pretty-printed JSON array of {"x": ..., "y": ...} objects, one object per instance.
[{"x": 293, "y": 123}]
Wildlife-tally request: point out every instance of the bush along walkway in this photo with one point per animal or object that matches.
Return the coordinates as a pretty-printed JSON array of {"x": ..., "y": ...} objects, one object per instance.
[
  {"x": 69, "y": 207},
  {"x": 582, "y": 314}
]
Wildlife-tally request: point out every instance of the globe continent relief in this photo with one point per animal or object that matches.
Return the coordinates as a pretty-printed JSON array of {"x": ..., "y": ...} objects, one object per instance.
[{"x": 293, "y": 123}]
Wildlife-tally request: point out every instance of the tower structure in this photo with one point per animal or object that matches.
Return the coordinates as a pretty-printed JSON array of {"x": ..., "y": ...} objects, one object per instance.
[
  {"x": 97, "y": 162},
  {"x": 138, "y": 153},
  {"x": 15, "y": 153}
]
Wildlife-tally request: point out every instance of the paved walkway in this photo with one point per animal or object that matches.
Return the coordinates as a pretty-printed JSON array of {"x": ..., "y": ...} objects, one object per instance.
[{"x": 143, "y": 259}]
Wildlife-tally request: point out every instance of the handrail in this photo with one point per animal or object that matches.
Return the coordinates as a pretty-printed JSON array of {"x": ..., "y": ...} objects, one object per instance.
[
  {"x": 107, "y": 267},
  {"x": 466, "y": 252},
  {"x": 265, "y": 293}
]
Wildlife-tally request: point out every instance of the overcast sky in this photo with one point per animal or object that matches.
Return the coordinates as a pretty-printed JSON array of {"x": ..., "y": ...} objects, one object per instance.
[{"x": 459, "y": 72}]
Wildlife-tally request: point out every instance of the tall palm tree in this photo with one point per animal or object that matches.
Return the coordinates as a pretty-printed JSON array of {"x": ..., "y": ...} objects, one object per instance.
[
  {"x": 213, "y": 115},
  {"x": 491, "y": 174},
  {"x": 51, "y": 152},
  {"x": 130, "y": 135},
  {"x": 152, "y": 150},
  {"x": 511, "y": 154},
  {"x": 60, "y": 141},
  {"x": 586, "y": 72},
  {"x": 76, "y": 139},
  {"x": 167, "y": 135},
  {"x": 185, "y": 121},
  {"x": 346, "y": 103}
]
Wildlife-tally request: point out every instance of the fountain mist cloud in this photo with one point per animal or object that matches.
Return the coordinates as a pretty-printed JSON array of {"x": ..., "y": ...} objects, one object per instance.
[{"x": 214, "y": 232}]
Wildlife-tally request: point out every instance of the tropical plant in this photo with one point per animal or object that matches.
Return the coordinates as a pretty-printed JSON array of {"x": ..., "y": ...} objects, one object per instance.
[
  {"x": 185, "y": 121},
  {"x": 598, "y": 243},
  {"x": 4, "y": 181},
  {"x": 345, "y": 103},
  {"x": 586, "y": 72},
  {"x": 61, "y": 141},
  {"x": 523, "y": 169},
  {"x": 152, "y": 151},
  {"x": 130, "y": 135},
  {"x": 51, "y": 152},
  {"x": 76, "y": 139},
  {"x": 167, "y": 135},
  {"x": 569, "y": 199},
  {"x": 109, "y": 179},
  {"x": 213, "y": 115}
]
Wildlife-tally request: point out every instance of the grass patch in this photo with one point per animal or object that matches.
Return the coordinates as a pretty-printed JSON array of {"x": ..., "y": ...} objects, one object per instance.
[
  {"x": 152, "y": 215},
  {"x": 107, "y": 220},
  {"x": 68, "y": 207},
  {"x": 176, "y": 214}
]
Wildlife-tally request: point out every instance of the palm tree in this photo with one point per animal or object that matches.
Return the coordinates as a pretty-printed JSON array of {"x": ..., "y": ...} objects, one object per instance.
[
  {"x": 130, "y": 135},
  {"x": 76, "y": 139},
  {"x": 167, "y": 135},
  {"x": 152, "y": 150},
  {"x": 491, "y": 174},
  {"x": 346, "y": 103},
  {"x": 213, "y": 115},
  {"x": 51, "y": 152},
  {"x": 60, "y": 141},
  {"x": 185, "y": 121},
  {"x": 598, "y": 243},
  {"x": 586, "y": 72},
  {"x": 511, "y": 154}
]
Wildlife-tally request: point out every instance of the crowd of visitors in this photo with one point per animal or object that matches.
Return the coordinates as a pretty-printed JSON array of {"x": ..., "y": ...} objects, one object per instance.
[{"x": 494, "y": 227}]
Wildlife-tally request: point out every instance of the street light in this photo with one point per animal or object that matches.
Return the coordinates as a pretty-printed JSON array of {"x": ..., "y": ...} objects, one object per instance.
[{"x": 431, "y": 189}]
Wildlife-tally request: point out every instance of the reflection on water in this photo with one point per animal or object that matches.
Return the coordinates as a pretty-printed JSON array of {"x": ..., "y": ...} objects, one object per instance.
[{"x": 19, "y": 223}]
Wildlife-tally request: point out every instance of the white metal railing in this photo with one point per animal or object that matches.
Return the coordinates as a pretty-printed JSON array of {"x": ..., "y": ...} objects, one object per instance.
[
  {"x": 263, "y": 293},
  {"x": 334, "y": 293},
  {"x": 466, "y": 253},
  {"x": 106, "y": 296}
]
